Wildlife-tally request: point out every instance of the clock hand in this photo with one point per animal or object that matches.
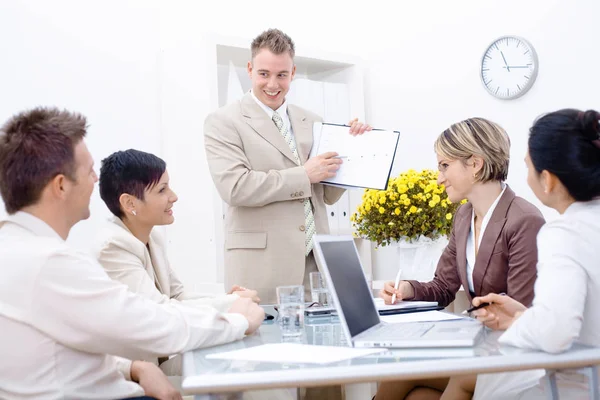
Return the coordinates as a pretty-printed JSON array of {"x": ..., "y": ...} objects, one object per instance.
[
  {"x": 505, "y": 63},
  {"x": 516, "y": 66}
]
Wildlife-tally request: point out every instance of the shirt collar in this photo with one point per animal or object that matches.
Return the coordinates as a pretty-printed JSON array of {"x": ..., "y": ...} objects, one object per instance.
[
  {"x": 282, "y": 110},
  {"x": 580, "y": 205},
  {"x": 33, "y": 224}
]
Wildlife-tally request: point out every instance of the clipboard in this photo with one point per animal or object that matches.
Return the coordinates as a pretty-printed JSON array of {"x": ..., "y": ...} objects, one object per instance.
[{"x": 367, "y": 158}]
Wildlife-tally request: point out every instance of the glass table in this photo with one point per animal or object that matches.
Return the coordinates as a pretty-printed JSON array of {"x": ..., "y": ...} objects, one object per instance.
[{"x": 210, "y": 377}]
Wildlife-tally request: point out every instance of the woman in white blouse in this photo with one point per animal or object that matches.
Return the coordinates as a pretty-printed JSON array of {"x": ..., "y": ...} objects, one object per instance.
[
  {"x": 135, "y": 187},
  {"x": 564, "y": 174}
]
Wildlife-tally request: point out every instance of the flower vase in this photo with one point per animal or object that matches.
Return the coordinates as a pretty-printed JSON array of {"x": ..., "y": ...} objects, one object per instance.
[{"x": 417, "y": 259}]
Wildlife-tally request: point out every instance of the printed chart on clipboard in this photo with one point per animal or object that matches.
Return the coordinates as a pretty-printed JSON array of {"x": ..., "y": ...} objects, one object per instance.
[{"x": 367, "y": 158}]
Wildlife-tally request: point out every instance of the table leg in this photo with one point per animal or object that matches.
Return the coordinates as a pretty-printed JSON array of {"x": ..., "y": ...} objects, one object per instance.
[
  {"x": 550, "y": 385},
  {"x": 592, "y": 374}
]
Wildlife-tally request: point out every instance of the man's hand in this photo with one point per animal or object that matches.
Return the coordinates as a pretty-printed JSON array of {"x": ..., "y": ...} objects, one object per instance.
[
  {"x": 501, "y": 313},
  {"x": 322, "y": 167},
  {"x": 248, "y": 294},
  {"x": 358, "y": 128},
  {"x": 404, "y": 291},
  {"x": 243, "y": 292},
  {"x": 154, "y": 382},
  {"x": 253, "y": 313}
]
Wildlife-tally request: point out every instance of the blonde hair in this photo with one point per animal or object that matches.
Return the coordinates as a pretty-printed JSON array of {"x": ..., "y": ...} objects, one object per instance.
[
  {"x": 477, "y": 137},
  {"x": 275, "y": 41}
]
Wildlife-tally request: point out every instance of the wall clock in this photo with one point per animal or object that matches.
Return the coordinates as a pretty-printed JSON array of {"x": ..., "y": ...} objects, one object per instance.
[{"x": 509, "y": 67}]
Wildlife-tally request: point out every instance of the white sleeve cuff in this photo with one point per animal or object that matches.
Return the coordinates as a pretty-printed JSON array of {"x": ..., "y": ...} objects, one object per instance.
[
  {"x": 239, "y": 324},
  {"x": 124, "y": 366}
]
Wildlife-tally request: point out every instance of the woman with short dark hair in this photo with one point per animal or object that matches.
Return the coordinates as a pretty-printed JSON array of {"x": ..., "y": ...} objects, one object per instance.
[{"x": 135, "y": 187}]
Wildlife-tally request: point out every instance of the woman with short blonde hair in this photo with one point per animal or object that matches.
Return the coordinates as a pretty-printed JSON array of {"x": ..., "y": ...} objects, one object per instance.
[
  {"x": 477, "y": 137},
  {"x": 492, "y": 245}
]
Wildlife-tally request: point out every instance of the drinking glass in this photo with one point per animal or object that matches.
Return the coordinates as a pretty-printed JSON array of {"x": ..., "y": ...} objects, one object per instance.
[
  {"x": 318, "y": 290},
  {"x": 291, "y": 309}
]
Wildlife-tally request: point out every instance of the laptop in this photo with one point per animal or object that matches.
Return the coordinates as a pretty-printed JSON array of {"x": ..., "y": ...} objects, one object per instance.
[{"x": 338, "y": 259}]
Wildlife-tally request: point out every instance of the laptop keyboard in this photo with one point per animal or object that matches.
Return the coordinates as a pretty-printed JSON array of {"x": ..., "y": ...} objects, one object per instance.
[{"x": 400, "y": 331}]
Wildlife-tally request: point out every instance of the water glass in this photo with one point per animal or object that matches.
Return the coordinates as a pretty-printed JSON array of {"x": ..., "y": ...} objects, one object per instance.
[
  {"x": 291, "y": 309},
  {"x": 318, "y": 289}
]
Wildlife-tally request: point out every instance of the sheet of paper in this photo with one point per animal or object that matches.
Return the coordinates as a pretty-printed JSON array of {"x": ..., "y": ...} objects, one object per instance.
[
  {"x": 367, "y": 158},
  {"x": 424, "y": 316},
  {"x": 294, "y": 353}
]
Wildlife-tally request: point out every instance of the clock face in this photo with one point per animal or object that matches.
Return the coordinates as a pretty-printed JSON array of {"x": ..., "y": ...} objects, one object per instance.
[{"x": 509, "y": 67}]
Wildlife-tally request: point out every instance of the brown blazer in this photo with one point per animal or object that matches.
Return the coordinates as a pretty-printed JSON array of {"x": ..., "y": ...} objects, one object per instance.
[
  {"x": 256, "y": 173},
  {"x": 506, "y": 261}
]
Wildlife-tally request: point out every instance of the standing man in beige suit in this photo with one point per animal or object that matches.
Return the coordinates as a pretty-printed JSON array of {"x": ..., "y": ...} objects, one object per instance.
[{"x": 257, "y": 150}]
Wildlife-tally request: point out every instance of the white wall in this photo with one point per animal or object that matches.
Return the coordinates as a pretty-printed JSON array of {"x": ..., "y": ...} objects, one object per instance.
[
  {"x": 425, "y": 76},
  {"x": 83, "y": 56},
  {"x": 138, "y": 70}
]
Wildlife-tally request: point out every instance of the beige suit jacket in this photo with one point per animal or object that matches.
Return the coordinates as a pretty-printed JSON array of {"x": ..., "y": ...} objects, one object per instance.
[
  {"x": 146, "y": 270},
  {"x": 256, "y": 173}
]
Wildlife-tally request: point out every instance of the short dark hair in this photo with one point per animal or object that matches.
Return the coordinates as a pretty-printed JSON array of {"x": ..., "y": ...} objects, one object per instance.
[
  {"x": 35, "y": 146},
  {"x": 567, "y": 144},
  {"x": 275, "y": 41},
  {"x": 130, "y": 171}
]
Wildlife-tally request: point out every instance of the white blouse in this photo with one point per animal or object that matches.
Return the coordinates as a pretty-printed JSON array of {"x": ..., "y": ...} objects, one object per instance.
[
  {"x": 566, "y": 307},
  {"x": 471, "y": 255}
]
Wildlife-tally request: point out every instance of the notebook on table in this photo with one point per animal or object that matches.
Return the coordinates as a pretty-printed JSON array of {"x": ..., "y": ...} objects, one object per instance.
[{"x": 402, "y": 307}]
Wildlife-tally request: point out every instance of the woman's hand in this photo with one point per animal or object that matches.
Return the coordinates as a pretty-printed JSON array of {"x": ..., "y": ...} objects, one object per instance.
[{"x": 404, "y": 291}]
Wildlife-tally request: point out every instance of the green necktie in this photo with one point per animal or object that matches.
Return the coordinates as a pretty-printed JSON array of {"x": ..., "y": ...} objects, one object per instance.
[{"x": 309, "y": 218}]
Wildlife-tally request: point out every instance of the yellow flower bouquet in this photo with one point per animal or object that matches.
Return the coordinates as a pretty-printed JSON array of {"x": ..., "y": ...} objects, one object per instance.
[{"x": 413, "y": 206}]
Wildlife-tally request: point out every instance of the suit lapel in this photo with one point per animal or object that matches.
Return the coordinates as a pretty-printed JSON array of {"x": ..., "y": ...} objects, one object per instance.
[
  {"x": 490, "y": 236},
  {"x": 162, "y": 280},
  {"x": 259, "y": 121},
  {"x": 302, "y": 129},
  {"x": 461, "y": 234},
  {"x": 148, "y": 257}
]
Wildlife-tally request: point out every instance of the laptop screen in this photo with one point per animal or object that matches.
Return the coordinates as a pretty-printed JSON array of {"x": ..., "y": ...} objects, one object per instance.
[{"x": 349, "y": 281}]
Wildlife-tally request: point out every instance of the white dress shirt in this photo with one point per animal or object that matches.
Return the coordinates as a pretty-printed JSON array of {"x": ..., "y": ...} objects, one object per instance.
[
  {"x": 471, "y": 254},
  {"x": 566, "y": 307},
  {"x": 282, "y": 111},
  {"x": 61, "y": 317}
]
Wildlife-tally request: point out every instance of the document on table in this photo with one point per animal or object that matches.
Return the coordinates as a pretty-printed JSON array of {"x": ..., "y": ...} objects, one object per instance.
[
  {"x": 381, "y": 306},
  {"x": 367, "y": 158},
  {"x": 424, "y": 316},
  {"x": 294, "y": 353}
]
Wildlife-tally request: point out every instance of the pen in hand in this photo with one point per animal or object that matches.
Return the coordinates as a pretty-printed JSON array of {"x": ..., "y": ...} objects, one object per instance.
[
  {"x": 482, "y": 305},
  {"x": 396, "y": 285},
  {"x": 470, "y": 310}
]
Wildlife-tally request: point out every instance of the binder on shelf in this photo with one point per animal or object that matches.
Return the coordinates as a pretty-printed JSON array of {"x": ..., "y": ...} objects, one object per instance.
[{"x": 367, "y": 158}]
